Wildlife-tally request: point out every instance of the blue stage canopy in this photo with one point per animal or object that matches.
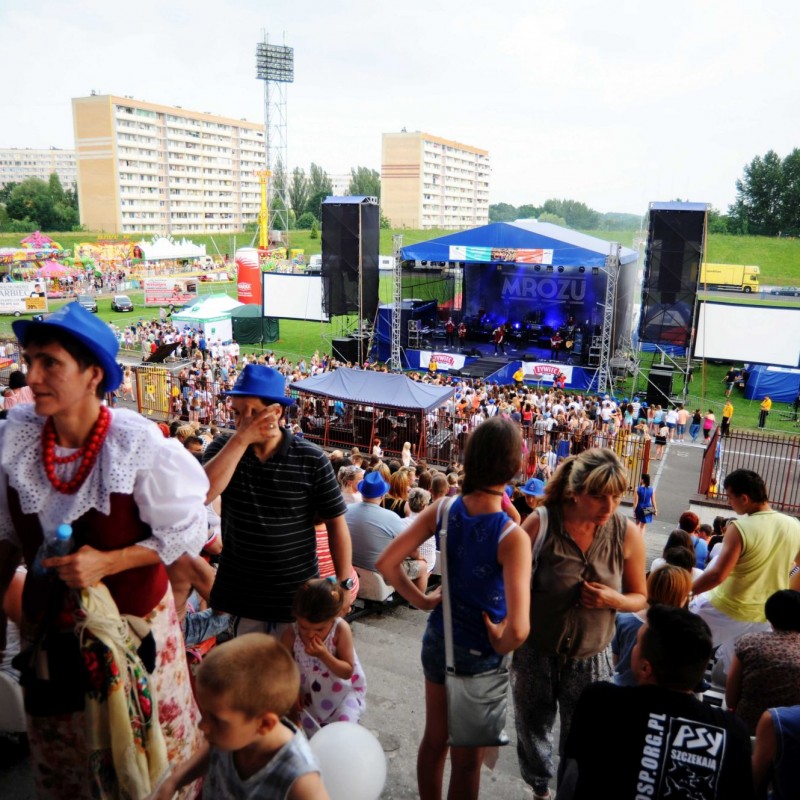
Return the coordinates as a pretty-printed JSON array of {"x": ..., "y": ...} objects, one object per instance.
[{"x": 520, "y": 242}]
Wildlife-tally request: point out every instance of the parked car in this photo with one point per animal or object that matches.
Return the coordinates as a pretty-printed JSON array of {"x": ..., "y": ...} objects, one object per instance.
[
  {"x": 88, "y": 302},
  {"x": 121, "y": 302},
  {"x": 791, "y": 291}
]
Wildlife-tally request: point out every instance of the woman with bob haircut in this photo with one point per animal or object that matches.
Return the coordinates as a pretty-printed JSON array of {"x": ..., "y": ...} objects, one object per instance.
[{"x": 590, "y": 565}]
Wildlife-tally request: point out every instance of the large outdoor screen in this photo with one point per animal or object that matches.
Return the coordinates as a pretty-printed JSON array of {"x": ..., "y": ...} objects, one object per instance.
[
  {"x": 293, "y": 296},
  {"x": 754, "y": 334}
]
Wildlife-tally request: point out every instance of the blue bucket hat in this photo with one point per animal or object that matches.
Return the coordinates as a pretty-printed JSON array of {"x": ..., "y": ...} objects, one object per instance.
[
  {"x": 263, "y": 382},
  {"x": 373, "y": 486},
  {"x": 533, "y": 488},
  {"x": 87, "y": 329}
]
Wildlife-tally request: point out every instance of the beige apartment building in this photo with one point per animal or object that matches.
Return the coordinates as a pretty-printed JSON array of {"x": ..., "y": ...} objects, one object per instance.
[
  {"x": 17, "y": 164},
  {"x": 144, "y": 167},
  {"x": 430, "y": 182}
]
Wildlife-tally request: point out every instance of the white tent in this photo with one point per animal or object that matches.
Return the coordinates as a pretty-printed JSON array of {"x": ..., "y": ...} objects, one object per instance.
[
  {"x": 211, "y": 316},
  {"x": 162, "y": 248}
]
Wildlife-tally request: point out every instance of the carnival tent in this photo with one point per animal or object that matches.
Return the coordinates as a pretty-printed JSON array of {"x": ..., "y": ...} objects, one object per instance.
[
  {"x": 525, "y": 241},
  {"x": 250, "y": 326},
  {"x": 211, "y": 316},
  {"x": 375, "y": 388},
  {"x": 52, "y": 269}
]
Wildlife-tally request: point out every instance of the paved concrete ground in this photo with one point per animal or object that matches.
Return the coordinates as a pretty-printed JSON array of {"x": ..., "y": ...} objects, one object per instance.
[{"x": 388, "y": 646}]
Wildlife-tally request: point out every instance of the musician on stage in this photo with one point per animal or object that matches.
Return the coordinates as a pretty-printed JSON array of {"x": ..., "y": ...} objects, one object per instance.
[
  {"x": 462, "y": 335},
  {"x": 499, "y": 338},
  {"x": 556, "y": 343}
]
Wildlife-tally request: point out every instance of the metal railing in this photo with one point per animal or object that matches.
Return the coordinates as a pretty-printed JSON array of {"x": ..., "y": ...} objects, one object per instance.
[{"x": 775, "y": 458}]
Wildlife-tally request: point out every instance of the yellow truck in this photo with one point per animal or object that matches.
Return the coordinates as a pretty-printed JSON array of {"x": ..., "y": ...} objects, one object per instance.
[{"x": 736, "y": 277}]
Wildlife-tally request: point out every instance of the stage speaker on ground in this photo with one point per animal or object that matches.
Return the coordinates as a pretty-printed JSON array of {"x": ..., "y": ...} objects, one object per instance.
[
  {"x": 659, "y": 386},
  {"x": 672, "y": 268},
  {"x": 345, "y": 349},
  {"x": 350, "y": 235}
]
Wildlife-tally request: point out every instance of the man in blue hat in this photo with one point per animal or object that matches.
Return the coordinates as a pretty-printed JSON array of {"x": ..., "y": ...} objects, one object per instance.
[
  {"x": 274, "y": 486},
  {"x": 372, "y": 528}
]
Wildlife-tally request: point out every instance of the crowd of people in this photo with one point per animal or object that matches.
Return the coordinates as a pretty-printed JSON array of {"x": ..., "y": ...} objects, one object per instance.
[{"x": 242, "y": 545}]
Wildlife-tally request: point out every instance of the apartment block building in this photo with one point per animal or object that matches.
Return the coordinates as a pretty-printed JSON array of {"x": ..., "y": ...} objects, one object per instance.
[
  {"x": 17, "y": 164},
  {"x": 430, "y": 182},
  {"x": 144, "y": 167}
]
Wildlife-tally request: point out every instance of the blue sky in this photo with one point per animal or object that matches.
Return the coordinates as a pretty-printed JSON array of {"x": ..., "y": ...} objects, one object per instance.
[{"x": 614, "y": 104}]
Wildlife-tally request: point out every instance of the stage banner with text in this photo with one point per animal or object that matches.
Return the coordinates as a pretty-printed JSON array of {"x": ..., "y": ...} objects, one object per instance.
[
  {"x": 445, "y": 361},
  {"x": 520, "y": 295}
]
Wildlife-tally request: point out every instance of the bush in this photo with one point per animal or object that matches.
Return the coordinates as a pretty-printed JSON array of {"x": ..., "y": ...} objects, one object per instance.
[
  {"x": 314, "y": 231},
  {"x": 306, "y": 221}
]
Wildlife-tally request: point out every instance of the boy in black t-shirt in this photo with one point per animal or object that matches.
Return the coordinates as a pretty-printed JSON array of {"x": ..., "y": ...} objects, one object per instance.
[{"x": 656, "y": 740}]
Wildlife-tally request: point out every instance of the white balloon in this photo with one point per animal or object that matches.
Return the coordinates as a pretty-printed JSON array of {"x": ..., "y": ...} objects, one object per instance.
[{"x": 352, "y": 761}]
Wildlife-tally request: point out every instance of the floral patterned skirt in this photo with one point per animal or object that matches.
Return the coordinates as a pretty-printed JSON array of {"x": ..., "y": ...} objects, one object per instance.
[{"x": 62, "y": 763}]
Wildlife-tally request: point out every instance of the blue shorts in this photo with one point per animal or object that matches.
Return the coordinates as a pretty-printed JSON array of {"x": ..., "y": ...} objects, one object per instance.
[{"x": 468, "y": 662}]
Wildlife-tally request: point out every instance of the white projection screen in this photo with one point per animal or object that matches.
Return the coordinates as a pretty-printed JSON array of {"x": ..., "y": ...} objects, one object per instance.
[
  {"x": 293, "y": 296},
  {"x": 753, "y": 334}
]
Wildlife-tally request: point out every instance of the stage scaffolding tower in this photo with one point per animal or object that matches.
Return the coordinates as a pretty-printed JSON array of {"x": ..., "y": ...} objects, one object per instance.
[
  {"x": 275, "y": 66},
  {"x": 604, "y": 383},
  {"x": 395, "y": 358}
]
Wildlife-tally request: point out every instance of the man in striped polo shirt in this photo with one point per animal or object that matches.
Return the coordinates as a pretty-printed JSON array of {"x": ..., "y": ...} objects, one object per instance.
[{"x": 273, "y": 486}]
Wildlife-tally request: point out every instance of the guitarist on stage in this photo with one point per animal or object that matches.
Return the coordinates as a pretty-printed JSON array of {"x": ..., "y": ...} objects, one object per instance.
[{"x": 556, "y": 342}]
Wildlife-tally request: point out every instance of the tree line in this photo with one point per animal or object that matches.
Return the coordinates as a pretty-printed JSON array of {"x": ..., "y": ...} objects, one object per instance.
[
  {"x": 34, "y": 204},
  {"x": 305, "y": 192},
  {"x": 568, "y": 213}
]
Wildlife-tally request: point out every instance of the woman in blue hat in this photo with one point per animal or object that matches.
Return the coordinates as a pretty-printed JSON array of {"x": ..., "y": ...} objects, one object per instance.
[{"x": 135, "y": 502}]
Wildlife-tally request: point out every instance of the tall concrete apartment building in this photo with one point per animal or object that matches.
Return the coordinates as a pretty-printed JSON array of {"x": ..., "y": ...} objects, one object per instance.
[
  {"x": 430, "y": 182},
  {"x": 17, "y": 164},
  {"x": 144, "y": 167}
]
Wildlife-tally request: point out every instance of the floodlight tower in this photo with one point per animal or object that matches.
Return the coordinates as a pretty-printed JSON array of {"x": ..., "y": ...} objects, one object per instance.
[{"x": 275, "y": 66}]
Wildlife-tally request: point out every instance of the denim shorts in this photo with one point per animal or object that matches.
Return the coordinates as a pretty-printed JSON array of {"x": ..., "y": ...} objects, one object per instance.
[{"x": 468, "y": 662}]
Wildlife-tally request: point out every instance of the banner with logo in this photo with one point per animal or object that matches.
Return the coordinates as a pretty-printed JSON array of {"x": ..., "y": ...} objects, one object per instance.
[
  {"x": 545, "y": 371},
  {"x": 445, "y": 361},
  {"x": 248, "y": 281}
]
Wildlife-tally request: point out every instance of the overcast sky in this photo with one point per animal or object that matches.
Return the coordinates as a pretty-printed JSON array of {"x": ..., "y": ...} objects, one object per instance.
[{"x": 614, "y": 104}]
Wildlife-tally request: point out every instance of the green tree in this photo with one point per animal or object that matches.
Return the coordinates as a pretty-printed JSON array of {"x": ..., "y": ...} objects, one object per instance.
[
  {"x": 31, "y": 200},
  {"x": 5, "y": 191},
  {"x": 314, "y": 230},
  {"x": 717, "y": 221},
  {"x": 385, "y": 223},
  {"x": 528, "y": 211},
  {"x": 790, "y": 198},
  {"x": 502, "y": 212},
  {"x": 277, "y": 181},
  {"x": 318, "y": 181},
  {"x": 306, "y": 221},
  {"x": 298, "y": 191},
  {"x": 577, "y": 215},
  {"x": 554, "y": 219},
  {"x": 758, "y": 208},
  {"x": 364, "y": 181}
]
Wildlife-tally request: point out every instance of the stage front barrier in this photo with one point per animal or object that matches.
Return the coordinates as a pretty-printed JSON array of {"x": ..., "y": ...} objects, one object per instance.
[{"x": 765, "y": 453}]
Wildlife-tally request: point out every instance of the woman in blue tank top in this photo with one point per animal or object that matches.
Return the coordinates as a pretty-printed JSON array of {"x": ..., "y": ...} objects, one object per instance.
[{"x": 489, "y": 568}]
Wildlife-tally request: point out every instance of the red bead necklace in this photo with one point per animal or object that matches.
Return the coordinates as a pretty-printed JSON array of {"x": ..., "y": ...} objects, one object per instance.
[{"x": 88, "y": 453}]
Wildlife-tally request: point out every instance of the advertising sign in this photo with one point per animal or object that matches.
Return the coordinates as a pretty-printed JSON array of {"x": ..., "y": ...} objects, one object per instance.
[
  {"x": 248, "y": 282},
  {"x": 446, "y": 361},
  {"x": 545, "y": 371},
  {"x": 170, "y": 291},
  {"x": 23, "y": 298}
]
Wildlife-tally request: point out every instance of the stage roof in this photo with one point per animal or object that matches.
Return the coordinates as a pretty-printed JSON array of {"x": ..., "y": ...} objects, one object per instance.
[
  {"x": 389, "y": 390},
  {"x": 525, "y": 241}
]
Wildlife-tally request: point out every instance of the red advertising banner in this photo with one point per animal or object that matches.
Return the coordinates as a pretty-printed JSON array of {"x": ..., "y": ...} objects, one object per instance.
[{"x": 249, "y": 276}]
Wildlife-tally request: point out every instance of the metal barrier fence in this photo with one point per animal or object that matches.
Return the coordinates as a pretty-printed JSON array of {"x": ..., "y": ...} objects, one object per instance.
[{"x": 775, "y": 458}]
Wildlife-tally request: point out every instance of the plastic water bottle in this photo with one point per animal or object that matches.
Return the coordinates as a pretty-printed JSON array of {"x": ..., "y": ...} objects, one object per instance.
[{"x": 58, "y": 543}]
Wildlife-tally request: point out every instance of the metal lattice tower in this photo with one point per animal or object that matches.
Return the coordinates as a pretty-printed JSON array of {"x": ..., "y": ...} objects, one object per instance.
[
  {"x": 275, "y": 66},
  {"x": 612, "y": 272},
  {"x": 395, "y": 359}
]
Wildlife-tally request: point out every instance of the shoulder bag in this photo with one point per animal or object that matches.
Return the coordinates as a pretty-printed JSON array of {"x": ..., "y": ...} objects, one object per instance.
[{"x": 476, "y": 704}]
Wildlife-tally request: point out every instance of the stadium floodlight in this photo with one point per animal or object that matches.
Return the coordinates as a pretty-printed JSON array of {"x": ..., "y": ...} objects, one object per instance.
[{"x": 274, "y": 63}]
